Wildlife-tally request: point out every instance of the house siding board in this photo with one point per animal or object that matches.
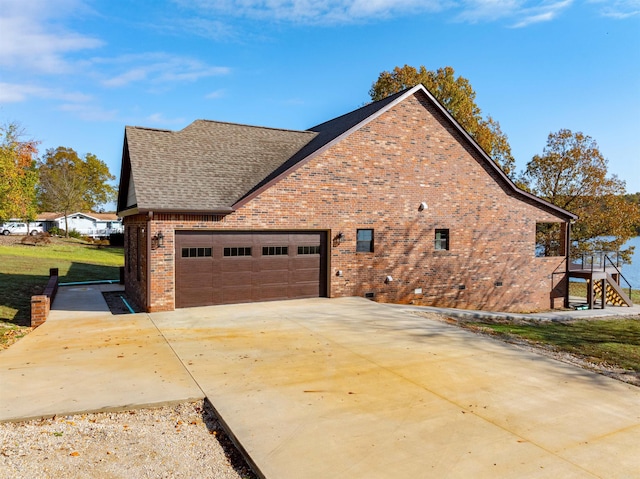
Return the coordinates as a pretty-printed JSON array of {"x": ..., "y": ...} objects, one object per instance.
[{"x": 376, "y": 178}]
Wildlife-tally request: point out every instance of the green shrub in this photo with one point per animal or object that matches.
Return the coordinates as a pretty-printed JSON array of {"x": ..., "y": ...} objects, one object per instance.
[{"x": 75, "y": 234}]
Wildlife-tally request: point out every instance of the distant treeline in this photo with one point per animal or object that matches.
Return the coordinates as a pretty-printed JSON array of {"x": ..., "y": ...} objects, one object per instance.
[{"x": 635, "y": 199}]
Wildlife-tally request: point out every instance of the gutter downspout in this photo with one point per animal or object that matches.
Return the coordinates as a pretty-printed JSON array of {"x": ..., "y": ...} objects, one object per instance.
[{"x": 148, "y": 273}]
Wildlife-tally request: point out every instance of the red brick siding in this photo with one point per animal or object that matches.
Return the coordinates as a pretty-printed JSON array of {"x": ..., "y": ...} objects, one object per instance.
[
  {"x": 135, "y": 258},
  {"x": 377, "y": 178},
  {"x": 40, "y": 307}
]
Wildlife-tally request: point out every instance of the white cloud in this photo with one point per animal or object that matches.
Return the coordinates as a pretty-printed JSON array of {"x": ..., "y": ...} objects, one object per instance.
[
  {"x": 33, "y": 40},
  {"x": 315, "y": 11},
  {"x": 155, "y": 68},
  {"x": 517, "y": 13},
  {"x": 618, "y": 8},
  {"x": 89, "y": 112},
  {"x": 15, "y": 93},
  {"x": 202, "y": 27}
]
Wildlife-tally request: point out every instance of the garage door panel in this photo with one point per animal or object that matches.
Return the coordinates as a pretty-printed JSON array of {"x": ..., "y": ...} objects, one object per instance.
[
  {"x": 305, "y": 276},
  {"x": 271, "y": 277},
  {"x": 305, "y": 290},
  {"x": 238, "y": 279},
  {"x": 249, "y": 266},
  {"x": 236, "y": 295},
  {"x": 232, "y": 265},
  {"x": 274, "y": 292},
  {"x": 270, "y": 264}
]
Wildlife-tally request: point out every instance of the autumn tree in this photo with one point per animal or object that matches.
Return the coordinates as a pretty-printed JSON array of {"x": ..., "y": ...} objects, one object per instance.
[
  {"x": 458, "y": 97},
  {"x": 18, "y": 175},
  {"x": 70, "y": 183},
  {"x": 572, "y": 173}
]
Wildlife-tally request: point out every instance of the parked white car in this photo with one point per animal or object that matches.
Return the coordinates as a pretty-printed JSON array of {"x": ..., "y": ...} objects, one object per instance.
[{"x": 21, "y": 229}]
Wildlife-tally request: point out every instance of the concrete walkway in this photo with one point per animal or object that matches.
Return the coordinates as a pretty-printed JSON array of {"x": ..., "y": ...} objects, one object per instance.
[
  {"x": 84, "y": 359},
  {"x": 341, "y": 388},
  {"x": 556, "y": 315}
]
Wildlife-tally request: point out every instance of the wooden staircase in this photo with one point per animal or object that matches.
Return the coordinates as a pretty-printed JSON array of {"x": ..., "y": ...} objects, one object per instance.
[
  {"x": 615, "y": 295},
  {"x": 603, "y": 278}
]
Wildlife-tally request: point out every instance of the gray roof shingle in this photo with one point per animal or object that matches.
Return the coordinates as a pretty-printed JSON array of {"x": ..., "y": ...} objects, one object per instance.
[{"x": 207, "y": 166}]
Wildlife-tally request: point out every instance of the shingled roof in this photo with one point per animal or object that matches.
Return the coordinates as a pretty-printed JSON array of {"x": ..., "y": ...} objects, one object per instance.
[
  {"x": 215, "y": 167},
  {"x": 207, "y": 166}
]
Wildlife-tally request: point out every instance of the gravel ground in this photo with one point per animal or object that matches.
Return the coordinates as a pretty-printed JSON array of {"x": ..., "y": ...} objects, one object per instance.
[{"x": 183, "y": 441}]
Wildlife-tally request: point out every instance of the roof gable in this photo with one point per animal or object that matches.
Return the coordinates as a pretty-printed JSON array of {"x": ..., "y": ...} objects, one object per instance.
[
  {"x": 207, "y": 166},
  {"x": 335, "y": 130},
  {"x": 216, "y": 167}
]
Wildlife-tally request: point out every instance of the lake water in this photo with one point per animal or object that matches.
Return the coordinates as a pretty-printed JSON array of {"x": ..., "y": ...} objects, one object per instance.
[{"x": 632, "y": 271}]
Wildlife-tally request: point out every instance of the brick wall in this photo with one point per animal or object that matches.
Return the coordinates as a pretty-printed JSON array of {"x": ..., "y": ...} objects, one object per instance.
[
  {"x": 40, "y": 307},
  {"x": 135, "y": 258},
  {"x": 377, "y": 178}
]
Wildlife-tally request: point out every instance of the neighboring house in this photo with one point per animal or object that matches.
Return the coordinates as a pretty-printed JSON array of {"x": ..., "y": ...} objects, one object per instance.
[
  {"x": 97, "y": 225},
  {"x": 393, "y": 201}
]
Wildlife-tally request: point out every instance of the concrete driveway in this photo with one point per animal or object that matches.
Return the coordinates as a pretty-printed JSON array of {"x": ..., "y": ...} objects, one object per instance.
[{"x": 348, "y": 388}]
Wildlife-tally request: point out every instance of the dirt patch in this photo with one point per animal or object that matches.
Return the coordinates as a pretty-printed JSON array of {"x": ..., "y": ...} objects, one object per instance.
[{"x": 116, "y": 304}]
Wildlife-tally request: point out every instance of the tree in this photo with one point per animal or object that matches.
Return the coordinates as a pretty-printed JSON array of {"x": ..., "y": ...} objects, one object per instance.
[
  {"x": 69, "y": 183},
  {"x": 572, "y": 173},
  {"x": 18, "y": 175},
  {"x": 458, "y": 97},
  {"x": 634, "y": 198}
]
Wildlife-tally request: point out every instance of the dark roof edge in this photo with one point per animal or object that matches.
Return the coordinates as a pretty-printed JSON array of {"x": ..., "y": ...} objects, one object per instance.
[
  {"x": 322, "y": 149},
  {"x": 143, "y": 211},
  {"x": 487, "y": 158},
  {"x": 273, "y": 128},
  {"x": 411, "y": 91},
  {"x": 225, "y": 210}
]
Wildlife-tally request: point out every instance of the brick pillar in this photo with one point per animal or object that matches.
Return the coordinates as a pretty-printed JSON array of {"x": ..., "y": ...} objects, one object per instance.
[{"x": 39, "y": 309}]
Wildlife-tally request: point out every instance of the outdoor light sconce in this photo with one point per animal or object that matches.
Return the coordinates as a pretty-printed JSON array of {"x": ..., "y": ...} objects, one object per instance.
[
  {"x": 388, "y": 280},
  {"x": 337, "y": 239},
  {"x": 423, "y": 206},
  {"x": 158, "y": 240}
]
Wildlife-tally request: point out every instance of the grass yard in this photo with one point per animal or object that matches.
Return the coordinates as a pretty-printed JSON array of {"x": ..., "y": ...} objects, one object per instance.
[
  {"x": 24, "y": 271},
  {"x": 607, "y": 342},
  {"x": 579, "y": 289}
]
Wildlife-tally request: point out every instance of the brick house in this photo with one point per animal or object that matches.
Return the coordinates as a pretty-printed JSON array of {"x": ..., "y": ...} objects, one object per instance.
[{"x": 393, "y": 201}]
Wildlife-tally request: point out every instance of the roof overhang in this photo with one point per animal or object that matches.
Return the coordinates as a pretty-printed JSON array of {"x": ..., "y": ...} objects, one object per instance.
[{"x": 145, "y": 211}]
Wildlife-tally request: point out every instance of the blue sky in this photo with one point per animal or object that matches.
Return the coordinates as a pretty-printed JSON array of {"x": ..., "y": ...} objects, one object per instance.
[{"x": 75, "y": 72}]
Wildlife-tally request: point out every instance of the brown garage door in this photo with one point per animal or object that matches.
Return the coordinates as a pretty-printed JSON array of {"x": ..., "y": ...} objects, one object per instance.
[{"x": 242, "y": 267}]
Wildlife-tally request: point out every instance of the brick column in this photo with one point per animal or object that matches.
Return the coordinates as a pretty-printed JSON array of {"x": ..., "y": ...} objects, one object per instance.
[{"x": 39, "y": 309}]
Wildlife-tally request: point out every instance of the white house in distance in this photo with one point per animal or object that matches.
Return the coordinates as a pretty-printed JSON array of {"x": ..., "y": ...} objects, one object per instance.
[{"x": 96, "y": 225}]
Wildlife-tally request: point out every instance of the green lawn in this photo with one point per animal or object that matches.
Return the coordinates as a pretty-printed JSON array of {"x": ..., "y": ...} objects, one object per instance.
[
  {"x": 579, "y": 288},
  {"x": 611, "y": 342},
  {"x": 24, "y": 271}
]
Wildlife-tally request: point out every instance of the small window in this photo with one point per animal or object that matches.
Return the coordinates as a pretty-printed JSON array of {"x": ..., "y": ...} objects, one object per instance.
[
  {"x": 239, "y": 251},
  {"x": 309, "y": 249},
  {"x": 196, "y": 252},
  {"x": 275, "y": 250},
  {"x": 442, "y": 240},
  {"x": 364, "y": 241}
]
